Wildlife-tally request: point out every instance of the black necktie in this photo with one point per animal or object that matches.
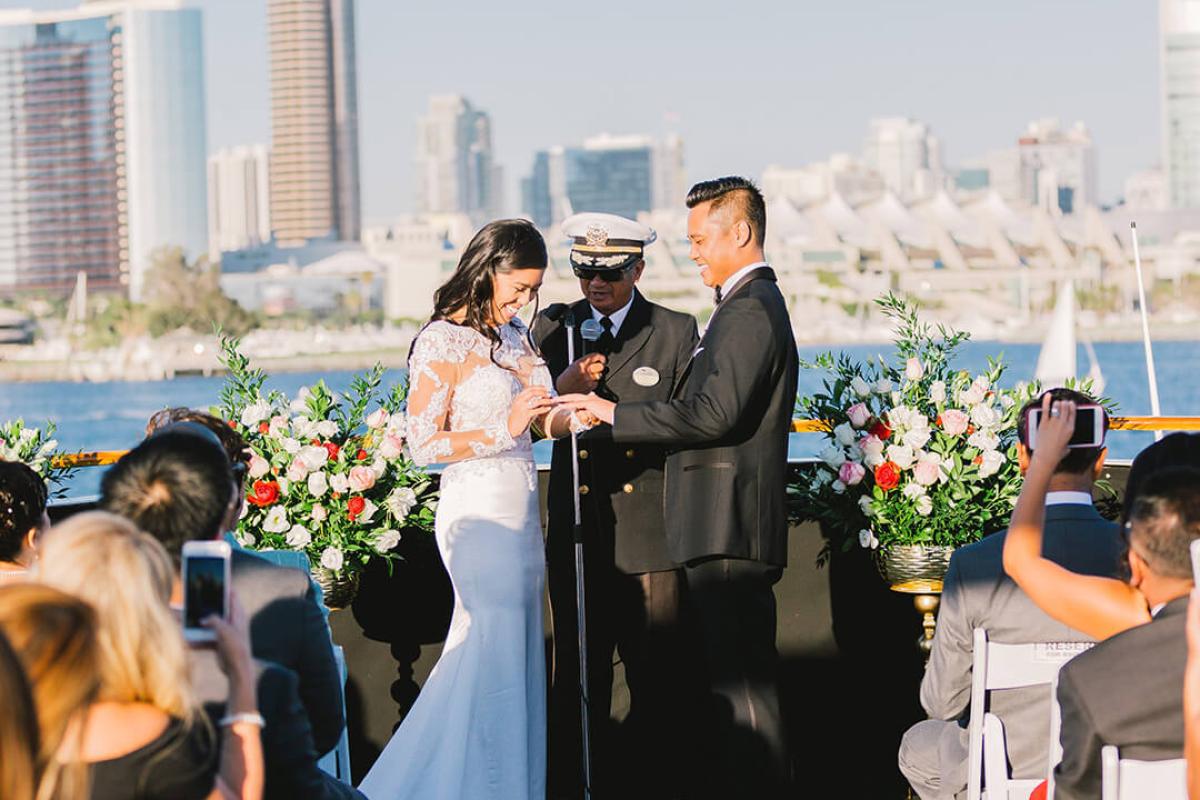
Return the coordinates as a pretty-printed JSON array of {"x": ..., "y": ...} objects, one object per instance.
[
  {"x": 716, "y": 295},
  {"x": 605, "y": 342}
]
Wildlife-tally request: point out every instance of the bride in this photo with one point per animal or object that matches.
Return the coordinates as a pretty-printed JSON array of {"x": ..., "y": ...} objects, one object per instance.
[{"x": 477, "y": 386}]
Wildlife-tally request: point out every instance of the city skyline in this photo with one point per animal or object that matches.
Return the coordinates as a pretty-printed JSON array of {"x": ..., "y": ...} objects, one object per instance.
[{"x": 818, "y": 75}]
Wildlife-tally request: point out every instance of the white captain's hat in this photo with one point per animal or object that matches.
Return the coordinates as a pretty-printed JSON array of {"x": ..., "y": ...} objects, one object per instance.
[{"x": 606, "y": 241}]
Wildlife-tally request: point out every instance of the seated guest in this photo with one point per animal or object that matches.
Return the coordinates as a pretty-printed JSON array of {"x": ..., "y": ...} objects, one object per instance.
[
  {"x": 18, "y": 729},
  {"x": 287, "y": 625},
  {"x": 1126, "y": 691},
  {"x": 54, "y": 634},
  {"x": 143, "y": 737},
  {"x": 22, "y": 518},
  {"x": 177, "y": 483},
  {"x": 978, "y": 594},
  {"x": 1175, "y": 450}
]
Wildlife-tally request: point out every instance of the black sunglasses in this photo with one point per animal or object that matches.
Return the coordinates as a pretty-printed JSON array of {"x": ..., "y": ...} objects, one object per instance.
[{"x": 608, "y": 275}]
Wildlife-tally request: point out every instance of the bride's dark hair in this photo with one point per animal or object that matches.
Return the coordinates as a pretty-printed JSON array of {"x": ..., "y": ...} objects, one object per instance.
[{"x": 498, "y": 248}]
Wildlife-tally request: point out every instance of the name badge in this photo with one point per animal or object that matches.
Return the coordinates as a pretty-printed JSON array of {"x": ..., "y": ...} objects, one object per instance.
[{"x": 646, "y": 376}]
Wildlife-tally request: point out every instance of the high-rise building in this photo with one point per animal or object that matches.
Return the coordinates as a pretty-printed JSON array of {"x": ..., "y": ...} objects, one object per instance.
[
  {"x": 102, "y": 153},
  {"x": 906, "y": 155},
  {"x": 623, "y": 175},
  {"x": 456, "y": 173},
  {"x": 1058, "y": 167},
  {"x": 314, "y": 121},
  {"x": 842, "y": 174},
  {"x": 1179, "y": 86},
  {"x": 238, "y": 199}
]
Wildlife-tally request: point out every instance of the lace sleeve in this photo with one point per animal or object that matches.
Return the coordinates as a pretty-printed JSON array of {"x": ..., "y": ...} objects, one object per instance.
[{"x": 434, "y": 369}]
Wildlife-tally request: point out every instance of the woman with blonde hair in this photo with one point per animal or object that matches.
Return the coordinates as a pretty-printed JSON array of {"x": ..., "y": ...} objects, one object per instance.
[
  {"x": 54, "y": 635},
  {"x": 145, "y": 737},
  {"x": 18, "y": 729}
]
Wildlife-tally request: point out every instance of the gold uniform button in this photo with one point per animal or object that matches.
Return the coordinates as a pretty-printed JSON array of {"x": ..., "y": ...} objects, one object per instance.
[
  {"x": 583, "y": 454},
  {"x": 629, "y": 454},
  {"x": 628, "y": 488},
  {"x": 584, "y": 489}
]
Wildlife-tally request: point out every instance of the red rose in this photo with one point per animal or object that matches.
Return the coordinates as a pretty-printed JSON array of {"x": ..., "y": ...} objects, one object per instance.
[
  {"x": 880, "y": 430},
  {"x": 232, "y": 423},
  {"x": 361, "y": 455},
  {"x": 355, "y": 506},
  {"x": 264, "y": 493},
  {"x": 977, "y": 460},
  {"x": 264, "y": 427},
  {"x": 332, "y": 449},
  {"x": 887, "y": 476}
]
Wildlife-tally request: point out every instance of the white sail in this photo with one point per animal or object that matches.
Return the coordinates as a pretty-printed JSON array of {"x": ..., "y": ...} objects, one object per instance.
[
  {"x": 1094, "y": 374},
  {"x": 1056, "y": 361}
]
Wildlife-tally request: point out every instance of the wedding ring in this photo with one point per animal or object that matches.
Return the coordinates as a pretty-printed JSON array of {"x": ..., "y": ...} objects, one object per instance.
[{"x": 1054, "y": 411}]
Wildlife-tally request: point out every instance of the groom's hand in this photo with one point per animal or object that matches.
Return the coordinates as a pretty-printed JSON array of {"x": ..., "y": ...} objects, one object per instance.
[
  {"x": 583, "y": 376},
  {"x": 598, "y": 407}
]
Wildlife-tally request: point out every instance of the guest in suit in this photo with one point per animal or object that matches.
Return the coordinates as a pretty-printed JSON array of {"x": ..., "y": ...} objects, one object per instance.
[
  {"x": 726, "y": 427},
  {"x": 177, "y": 485},
  {"x": 1127, "y": 690},
  {"x": 977, "y": 593},
  {"x": 634, "y": 586},
  {"x": 287, "y": 622}
]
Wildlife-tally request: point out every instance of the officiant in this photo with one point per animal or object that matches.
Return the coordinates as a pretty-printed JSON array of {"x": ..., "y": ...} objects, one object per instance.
[{"x": 633, "y": 587}]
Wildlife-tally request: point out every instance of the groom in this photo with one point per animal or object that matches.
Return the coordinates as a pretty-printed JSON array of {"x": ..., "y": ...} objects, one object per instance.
[{"x": 726, "y": 429}]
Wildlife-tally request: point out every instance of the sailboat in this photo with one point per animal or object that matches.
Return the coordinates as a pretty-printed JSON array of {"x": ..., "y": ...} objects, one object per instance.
[{"x": 1056, "y": 364}]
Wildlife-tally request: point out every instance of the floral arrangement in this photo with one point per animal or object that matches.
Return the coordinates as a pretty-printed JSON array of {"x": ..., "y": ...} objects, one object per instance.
[
  {"x": 327, "y": 474},
  {"x": 918, "y": 453},
  {"x": 37, "y": 448}
]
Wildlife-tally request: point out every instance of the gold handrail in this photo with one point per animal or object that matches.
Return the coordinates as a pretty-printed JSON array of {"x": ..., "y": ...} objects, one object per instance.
[{"x": 101, "y": 458}]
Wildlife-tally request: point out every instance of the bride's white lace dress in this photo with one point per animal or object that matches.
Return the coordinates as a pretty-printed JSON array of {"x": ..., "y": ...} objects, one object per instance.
[{"x": 478, "y": 727}]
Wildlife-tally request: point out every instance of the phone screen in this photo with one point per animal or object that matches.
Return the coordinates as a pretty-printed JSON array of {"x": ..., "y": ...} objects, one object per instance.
[
  {"x": 204, "y": 589},
  {"x": 1085, "y": 433}
]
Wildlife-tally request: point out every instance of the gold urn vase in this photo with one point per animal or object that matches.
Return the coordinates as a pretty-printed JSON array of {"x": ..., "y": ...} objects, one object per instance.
[
  {"x": 917, "y": 569},
  {"x": 338, "y": 588}
]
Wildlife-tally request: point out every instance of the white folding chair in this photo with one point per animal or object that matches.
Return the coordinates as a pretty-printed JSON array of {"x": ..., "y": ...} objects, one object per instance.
[
  {"x": 1127, "y": 779},
  {"x": 337, "y": 761},
  {"x": 1005, "y": 666}
]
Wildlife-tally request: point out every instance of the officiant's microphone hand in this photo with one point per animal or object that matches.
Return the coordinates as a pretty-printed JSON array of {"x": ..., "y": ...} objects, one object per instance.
[
  {"x": 526, "y": 407},
  {"x": 582, "y": 376}
]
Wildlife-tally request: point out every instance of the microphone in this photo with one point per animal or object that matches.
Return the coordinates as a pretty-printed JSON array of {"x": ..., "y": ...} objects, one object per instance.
[{"x": 590, "y": 330}]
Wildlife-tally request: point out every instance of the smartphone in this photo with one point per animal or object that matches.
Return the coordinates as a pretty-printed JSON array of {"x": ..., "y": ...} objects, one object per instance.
[
  {"x": 1196, "y": 561},
  {"x": 205, "y": 587},
  {"x": 1089, "y": 426}
]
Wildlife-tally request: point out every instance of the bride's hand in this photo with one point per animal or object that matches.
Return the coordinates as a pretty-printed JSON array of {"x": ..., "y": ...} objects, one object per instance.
[
  {"x": 598, "y": 407},
  {"x": 529, "y": 404}
]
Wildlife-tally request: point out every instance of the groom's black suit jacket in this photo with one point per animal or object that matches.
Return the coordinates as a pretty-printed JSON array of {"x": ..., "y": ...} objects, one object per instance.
[{"x": 727, "y": 428}]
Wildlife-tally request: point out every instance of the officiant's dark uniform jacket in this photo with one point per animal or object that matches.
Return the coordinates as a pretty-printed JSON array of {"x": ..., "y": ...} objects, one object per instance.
[
  {"x": 633, "y": 582},
  {"x": 727, "y": 428}
]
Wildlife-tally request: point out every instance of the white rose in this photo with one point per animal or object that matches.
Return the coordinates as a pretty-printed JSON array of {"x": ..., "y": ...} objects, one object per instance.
[
  {"x": 397, "y": 425},
  {"x": 327, "y": 428},
  {"x": 937, "y": 392},
  {"x": 913, "y": 369},
  {"x": 318, "y": 483},
  {"x": 912, "y": 490},
  {"x": 391, "y": 446},
  {"x": 303, "y": 428},
  {"x": 314, "y": 456},
  {"x": 255, "y": 413},
  {"x": 864, "y": 538},
  {"x": 833, "y": 456},
  {"x": 924, "y": 505},
  {"x": 332, "y": 559},
  {"x": 297, "y": 470},
  {"x": 971, "y": 396},
  {"x": 900, "y": 417},
  {"x": 298, "y": 537},
  {"x": 864, "y": 505},
  {"x": 984, "y": 416},
  {"x": 259, "y": 466},
  {"x": 860, "y": 387},
  {"x": 916, "y": 438},
  {"x": 377, "y": 419},
  {"x": 291, "y": 445},
  {"x": 318, "y": 514},
  {"x": 983, "y": 440},
  {"x": 368, "y": 511},
  {"x": 379, "y": 466},
  {"x": 300, "y": 404},
  {"x": 883, "y": 386},
  {"x": 279, "y": 424},
  {"x": 838, "y": 486},
  {"x": 1007, "y": 401},
  {"x": 276, "y": 520},
  {"x": 27, "y": 435},
  {"x": 844, "y": 433},
  {"x": 244, "y": 538},
  {"x": 339, "y": 483},
  {"x": 387, "y": 540},
  {"x": 900, "y": 455},
  {"x": 401, "y": 502},
  {"x": 992, "y": 461}
]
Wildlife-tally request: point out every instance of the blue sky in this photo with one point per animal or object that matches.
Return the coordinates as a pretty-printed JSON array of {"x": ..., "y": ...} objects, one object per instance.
[{"x": 745, "y": 82}]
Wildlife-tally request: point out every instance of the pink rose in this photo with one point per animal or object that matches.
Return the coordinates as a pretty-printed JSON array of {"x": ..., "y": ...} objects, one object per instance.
[
  {"x": 259, "y": 466},
  {"x": 858, "y": 414},
  {"x": 391, "y": 446},
  {"x": 361, "y": 479},
  {"x": 926, "y": 471},
  {"x": 954, "y": 422},
  {"x": 378, "y": 419},
  {"x": 851, "y": 473}
]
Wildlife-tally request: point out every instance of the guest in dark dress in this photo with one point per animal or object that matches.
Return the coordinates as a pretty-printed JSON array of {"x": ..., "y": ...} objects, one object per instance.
[
  {"x": 54, "y": 636},
  {"x": 146, "y": 738},
  {"x": 22, "y": 519}
]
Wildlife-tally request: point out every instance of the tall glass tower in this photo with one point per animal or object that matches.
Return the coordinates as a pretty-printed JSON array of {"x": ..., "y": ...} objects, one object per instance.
[{"x": 1179, "y": 83}]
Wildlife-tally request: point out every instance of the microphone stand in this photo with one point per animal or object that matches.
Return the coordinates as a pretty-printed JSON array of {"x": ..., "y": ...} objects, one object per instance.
[{"x": 580, "y": 607}]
